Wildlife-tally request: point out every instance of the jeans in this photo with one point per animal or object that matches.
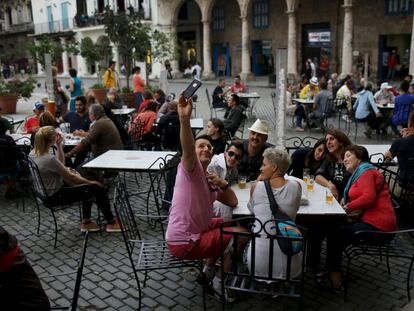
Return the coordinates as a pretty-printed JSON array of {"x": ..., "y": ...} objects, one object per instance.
[
  {"x": 86, "y": 193},
  {"x": 300, "y": 115},
  {"x": 138, "y": 100}
]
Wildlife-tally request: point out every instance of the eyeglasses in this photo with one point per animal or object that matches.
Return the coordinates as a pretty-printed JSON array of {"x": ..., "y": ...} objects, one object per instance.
[{"x": 232, "y": 154}]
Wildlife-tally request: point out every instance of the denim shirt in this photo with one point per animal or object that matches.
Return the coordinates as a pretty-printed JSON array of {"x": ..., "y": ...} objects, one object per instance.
[{"x": 363, "y": 105}]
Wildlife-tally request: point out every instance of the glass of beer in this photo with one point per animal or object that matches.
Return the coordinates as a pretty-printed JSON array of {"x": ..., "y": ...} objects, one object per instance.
[
  {"x": 310, "y": 183},
  {"x": 329, "y": 196},
  {"x": 306, "y": 174},
  {"x": 242, "y": 181}
]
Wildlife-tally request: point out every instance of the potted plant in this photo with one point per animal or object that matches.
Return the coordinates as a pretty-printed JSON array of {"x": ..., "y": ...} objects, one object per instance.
[
  {"x": 11, "y": 91},
  {"x": 99, "y": 91},
  {"x": 128, "y": 97}
]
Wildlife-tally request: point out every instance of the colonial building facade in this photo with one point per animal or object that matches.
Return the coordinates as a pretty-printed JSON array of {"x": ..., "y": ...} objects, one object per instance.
[
  {"x": 16, "y": 22},
  {"x": 243, "y": 36}
]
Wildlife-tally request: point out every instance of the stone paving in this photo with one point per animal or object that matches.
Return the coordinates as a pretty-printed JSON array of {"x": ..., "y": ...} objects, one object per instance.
[{"x": 108, "y": 282}]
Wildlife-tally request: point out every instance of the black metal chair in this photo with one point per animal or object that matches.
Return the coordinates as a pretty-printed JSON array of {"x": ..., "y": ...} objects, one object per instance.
[
  {"x": 213, "y": 111},
  {"x": 55, "y": 203},
  {"x": 293, "y": 143},
  {"x": 388, "y": 244},
  {"x": 136, "y": 133},
  {"x": 78, "y": 280},
  {"x": 244, "y": 279},
  {"x": 146, "y": 255}
]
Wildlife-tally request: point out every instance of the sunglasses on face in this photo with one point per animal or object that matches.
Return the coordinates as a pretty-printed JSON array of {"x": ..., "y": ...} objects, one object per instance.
[{"x": 231, "y": 154}]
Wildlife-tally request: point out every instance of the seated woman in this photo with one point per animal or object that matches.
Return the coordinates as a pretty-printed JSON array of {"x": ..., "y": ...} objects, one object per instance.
[
  {"x": 224, "y": 165},
  {"x": 214, "y": 130},
  {"x": 310, "y": 159},
  {"x": 367, "y": 194},
  {"x": 56, "y": 178},
  {"x": 169, "y": 128},
  {"x": 142, "y": 125},
  {"x": 287, "y": 194}
]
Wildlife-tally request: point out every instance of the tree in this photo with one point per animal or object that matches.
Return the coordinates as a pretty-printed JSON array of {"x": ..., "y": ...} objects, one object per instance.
[
  {"x": 94, "y": 52},
  {"x": 46, "y": 46},
  {"x": 134, "y": 38}
]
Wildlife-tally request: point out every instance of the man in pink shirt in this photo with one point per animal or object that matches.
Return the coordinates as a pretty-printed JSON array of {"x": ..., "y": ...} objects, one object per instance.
[
  {"x": 192, "y": 233},
  {"x": 238, "y": 86}
]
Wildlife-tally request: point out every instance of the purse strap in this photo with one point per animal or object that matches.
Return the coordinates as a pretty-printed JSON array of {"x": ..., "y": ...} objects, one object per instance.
[{"x": 276, "y": 210}]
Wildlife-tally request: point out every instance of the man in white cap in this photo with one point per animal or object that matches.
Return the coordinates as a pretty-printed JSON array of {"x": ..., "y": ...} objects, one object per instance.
[
  {"x": 384, "y": 96},
  {"x": 253, "y": 149}
]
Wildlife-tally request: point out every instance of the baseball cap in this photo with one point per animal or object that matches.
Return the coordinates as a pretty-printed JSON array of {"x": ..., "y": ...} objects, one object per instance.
[
  {"x": 38, "y": 105},
  {"x": 385, "y": 85}
]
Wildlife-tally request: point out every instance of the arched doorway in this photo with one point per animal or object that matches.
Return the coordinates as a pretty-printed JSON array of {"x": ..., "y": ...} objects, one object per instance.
[{"x": 189, "y": 34}]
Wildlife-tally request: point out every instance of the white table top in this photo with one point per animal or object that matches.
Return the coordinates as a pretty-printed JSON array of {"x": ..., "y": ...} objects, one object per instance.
[
  {"x": 197, "y": 123},
  {"x": 373, "y": 149},
  {"x": 70, "y": 140},
  {"x": 316, "y": 199},
  {"x": 123, "y": 111},
  {"x": 303, "y": 100},
  {"x": 388, "y": 107},
  {"x": 128, "y": 160},
  {"x": 249, "y": 95}
]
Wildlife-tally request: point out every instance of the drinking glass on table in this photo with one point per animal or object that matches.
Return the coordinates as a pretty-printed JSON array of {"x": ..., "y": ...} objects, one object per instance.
[
  {"x": 306, "y": 174},
  {"x": 329, "y": 196},
  {"x": 310, "y": 184},
  {"x": 242, "y": 179}
]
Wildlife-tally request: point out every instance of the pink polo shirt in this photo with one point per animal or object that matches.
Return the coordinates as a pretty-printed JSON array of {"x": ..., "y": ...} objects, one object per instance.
[{"x": 191, "y": 208}]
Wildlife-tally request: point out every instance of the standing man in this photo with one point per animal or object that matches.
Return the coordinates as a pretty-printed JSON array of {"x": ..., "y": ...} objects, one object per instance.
[
  {"x": 253, "y": 149},
  {"x": 138, "y": 87},
  {"x": 110, "y": 79},
  {"x": 192, "y": 233}
]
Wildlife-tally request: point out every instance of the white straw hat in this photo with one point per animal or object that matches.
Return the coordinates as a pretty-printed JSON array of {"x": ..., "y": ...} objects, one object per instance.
[
  {"x": 314, "y": 81},
  {"x": 260, "y": 126}
]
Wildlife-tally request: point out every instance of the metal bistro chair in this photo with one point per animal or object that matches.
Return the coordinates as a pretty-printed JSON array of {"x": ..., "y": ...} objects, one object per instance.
[
  {"x": 146, "y": 255},
  {"x": 294, "y": 143},
  {"x": 78, "y": 280},
  {"x": 135, "y": 134},
  {"x": 240, "y": 279},
  {"x": 388, "y": 244},
  {"x": 53, "y": 204},
  {"x": 213, "y": 111}
]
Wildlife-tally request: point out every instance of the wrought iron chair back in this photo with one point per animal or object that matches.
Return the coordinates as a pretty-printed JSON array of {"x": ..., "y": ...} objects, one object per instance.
[
  {"x": 136, "y": 133},
  {"x": 213, "y": 111},
  {"x": 276, "y": 280},
  {"x": 293, "y": 143},
  {"x": 146, "y": 255}
]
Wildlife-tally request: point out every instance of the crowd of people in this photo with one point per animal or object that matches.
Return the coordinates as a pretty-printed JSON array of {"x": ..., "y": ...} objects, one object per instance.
[
  {"x": 202, "y": 195},
  {"x": 361, "y": 103}
]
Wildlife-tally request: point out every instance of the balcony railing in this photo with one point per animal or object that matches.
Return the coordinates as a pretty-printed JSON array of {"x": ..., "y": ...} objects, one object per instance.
[
  {"x": 81, "y": 21},
  {"x": 53, "y": 27},
  {"x": 23, "y": 27}
]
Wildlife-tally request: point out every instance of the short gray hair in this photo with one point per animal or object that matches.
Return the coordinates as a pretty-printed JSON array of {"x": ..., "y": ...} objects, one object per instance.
[
  {"x": 278, "y": 157},
  {"x": 97, "y": 110}
]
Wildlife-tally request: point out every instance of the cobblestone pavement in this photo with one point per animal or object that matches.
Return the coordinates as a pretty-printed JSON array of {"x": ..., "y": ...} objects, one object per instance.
[{"x": 108, "y": 282}]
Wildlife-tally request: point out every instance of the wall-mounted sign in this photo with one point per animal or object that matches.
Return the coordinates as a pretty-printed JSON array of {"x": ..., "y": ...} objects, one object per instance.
[{"x": 319, "y": 36}]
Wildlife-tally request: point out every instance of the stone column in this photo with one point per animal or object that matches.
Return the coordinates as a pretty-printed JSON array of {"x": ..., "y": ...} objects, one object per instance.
[
  {"x": 292, "y": 71},
  {"x": 346, "y": 68},
  {"x": 207, "y": 72},
  {"x": 39, "y": 65},
  {"x": 65, "y": 61},
  {"x": 411, "y": 71},
  {"x": 246, "y": 73},
  {"x": 174, "y": 62}
]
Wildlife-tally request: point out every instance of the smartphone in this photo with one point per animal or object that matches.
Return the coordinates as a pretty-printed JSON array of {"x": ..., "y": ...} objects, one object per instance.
[{"x": 192, "y": 88}]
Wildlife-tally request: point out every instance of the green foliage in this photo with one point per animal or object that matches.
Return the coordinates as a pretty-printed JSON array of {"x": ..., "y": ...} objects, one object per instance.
[
  {"x": 46, "y": 46},
  {"x": 161, "y": 48},
  {"x": 126, "y": 90},
  {"x": 22, "y": 88},
  {"x": 97, "y": 86},
  {"x": 90, "y": 51}
]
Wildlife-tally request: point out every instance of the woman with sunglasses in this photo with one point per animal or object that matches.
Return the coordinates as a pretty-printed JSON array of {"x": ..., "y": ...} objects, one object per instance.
[{"x": 224, "y": 165}]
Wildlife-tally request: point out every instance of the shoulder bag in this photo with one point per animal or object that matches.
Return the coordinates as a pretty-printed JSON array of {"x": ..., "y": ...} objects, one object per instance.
[{"x": 285, "y": 226}]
